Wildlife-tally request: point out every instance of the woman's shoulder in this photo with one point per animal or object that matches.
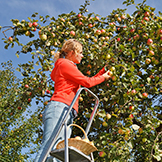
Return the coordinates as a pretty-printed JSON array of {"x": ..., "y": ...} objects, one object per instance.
[{"x": 63, "y": 62}]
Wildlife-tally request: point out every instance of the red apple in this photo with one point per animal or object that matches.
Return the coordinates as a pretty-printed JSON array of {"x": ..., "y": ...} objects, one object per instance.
[
  {"x": 118, "y": 39},
  {"x": 102, "y": 154},
  {"x": 34, "y": 24},
  {"x": 146, "y": 14},
  {"x": 79, "y": 15},
  {"x": 148, "y": 61},
  {"x": 19, "y": 108},
  {"x": 46, "y": 102},
  {"x": 10, "y": 39},
  {"x": 133, "y": 92},
  {"x": 123, "y": 17},
  {"x": 72, "y": 33},
  {"x": 102, "y": 31},
  {"x": 110, "y": 73},
  {"x": 90, "y": 25},
  {"x": 146, "y": 18},
  {"x": 97, "y": 18},
  {"x": 29, "y": 99},
  {"x": 151, "y": 53},
  {"x": 119, "y": 19},
  {"x": 131, "y": 107},
  {"x": 149, "y": 41},
  {"x": 145, "y": 95},
  {"x": 26, "y": 86},
  {"x": 98, "y": 32},
  {"x": 132, "y": 30},
  {"x": 131, "y": 116},
  {"x": 48, "y": 91},
  {"x": 30, "y": 24}
]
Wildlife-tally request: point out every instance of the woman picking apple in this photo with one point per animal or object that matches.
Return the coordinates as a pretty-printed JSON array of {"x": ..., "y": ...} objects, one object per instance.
[{"x": 67, "y": 79}]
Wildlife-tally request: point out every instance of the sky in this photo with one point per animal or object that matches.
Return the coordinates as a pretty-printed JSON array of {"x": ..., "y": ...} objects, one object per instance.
[{"x": 22, "y": 9}]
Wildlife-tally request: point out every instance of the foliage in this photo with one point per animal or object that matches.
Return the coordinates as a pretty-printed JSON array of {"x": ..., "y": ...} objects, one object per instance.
[
  {"x": 128, "y": 123},
  {"x": 17, "y": 129}
]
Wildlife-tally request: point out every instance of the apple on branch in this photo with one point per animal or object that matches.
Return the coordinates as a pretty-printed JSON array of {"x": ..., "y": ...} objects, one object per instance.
[{"x": 72, "y": 33}]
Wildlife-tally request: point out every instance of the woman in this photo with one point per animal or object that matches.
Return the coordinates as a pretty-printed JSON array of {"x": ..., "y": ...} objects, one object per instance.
[{"x": 67, "y": 79}]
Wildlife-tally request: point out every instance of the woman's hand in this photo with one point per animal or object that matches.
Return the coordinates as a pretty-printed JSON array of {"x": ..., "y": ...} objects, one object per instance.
[{"x": 107, "y": 75}]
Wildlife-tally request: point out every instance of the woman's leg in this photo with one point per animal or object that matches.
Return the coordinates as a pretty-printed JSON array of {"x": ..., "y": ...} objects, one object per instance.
[{"x": 53, "y": 114}]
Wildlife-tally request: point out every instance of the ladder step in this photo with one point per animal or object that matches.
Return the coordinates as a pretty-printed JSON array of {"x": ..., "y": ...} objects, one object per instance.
[{"x": 74, "y": 155}]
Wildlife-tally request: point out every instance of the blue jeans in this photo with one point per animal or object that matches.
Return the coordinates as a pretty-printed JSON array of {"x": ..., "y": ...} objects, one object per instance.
[{"x": 52, "y": 115}]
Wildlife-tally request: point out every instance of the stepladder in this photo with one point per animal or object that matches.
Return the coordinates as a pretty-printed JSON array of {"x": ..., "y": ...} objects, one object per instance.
[{"x": 70, "y": 153}]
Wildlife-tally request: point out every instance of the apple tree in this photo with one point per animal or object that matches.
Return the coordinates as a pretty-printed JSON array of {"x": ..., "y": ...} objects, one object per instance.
[{"x": 128, "y": 123}]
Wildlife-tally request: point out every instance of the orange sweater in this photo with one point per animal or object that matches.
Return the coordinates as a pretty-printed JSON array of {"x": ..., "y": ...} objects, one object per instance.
[{"x": 68, "y": 79}]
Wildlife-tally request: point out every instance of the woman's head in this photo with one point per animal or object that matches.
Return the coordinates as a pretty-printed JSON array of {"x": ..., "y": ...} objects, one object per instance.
[{"x": 72, "y": 50}]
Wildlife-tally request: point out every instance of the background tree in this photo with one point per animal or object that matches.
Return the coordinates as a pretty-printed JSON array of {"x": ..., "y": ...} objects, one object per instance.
[{"x": 127, "y": 126}]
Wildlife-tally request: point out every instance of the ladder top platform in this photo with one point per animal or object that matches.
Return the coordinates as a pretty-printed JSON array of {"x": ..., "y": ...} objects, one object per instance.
[{"x": 74, "y": 155}]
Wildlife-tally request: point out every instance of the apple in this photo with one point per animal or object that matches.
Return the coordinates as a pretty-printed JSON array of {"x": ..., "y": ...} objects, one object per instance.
[
  {"x": 131, "y": 107},
  {"x": 123, "y": 17},
  {"x": 110, "y": 73},
  {"x": 148, "y": 61},
  {"x": 102, "y": 154},
  {"x": 149, "y": 41},
  {"x": 27, "y": 33},
  {"x": 112, "y": 68},
  {"x": 77, "y": 137},
  {"x": 151, "y": 53},
  {"x": 97, "y": 17},
  {"x": 29, "y": 99},
  {"x": 34, "y": 29},
  {"x": 132, "y": 30},
  {"x": 144, "y": 140},
  {"x": 116, "y": 15},
  {"x": 48, "y": 91},
  {"x": 108, "y": 56},
  {"x": 133, "y": 92},
  {"x": 62, "y": 19},
  {"x": 146, "y": 18},
  {"x": 90, "y": 25},
  {"x": 104, "y": 124},
  {"x": 120, "y": 131},
  {"x": 98, "y": 32},
  {"x": 80, "y": 23},
  {"x": 30, "y": 24},
  {"x": 119, "y": 19},
  {"x": 26, "y": 86},
  {"x": 140, "y": 130},
  {"x": 19, "y": 108},
  {"x": 107, "y": 38},
  {"x": 131, "y": 116},
  {"x": 10, "y": 39},
  {"x": 45, "y": 103},
  {"x": 108, "y": 116},
  {"x": 79, "y": 15},
  {"x": 118, "y": 39},
  {"x": 151, "y": 76},
  {"x": 102, "y": 31},
  {"x": 146, "y": 14},
  {"x": 145, "y": 95},
  {"x": 34, "y": 24},
  {"x": 43, "y": 37},
  {"x": 80, "y": 99},
  {"x": 113, "y": 78},
  {"x": 72, "y": 33}
]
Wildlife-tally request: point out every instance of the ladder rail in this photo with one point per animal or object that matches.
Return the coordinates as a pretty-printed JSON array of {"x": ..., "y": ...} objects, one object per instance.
[{"x": 55, "y": 133}]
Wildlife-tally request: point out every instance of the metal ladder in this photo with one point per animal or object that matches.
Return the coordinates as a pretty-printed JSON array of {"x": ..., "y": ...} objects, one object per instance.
[{"x": 69, "y": 152}]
